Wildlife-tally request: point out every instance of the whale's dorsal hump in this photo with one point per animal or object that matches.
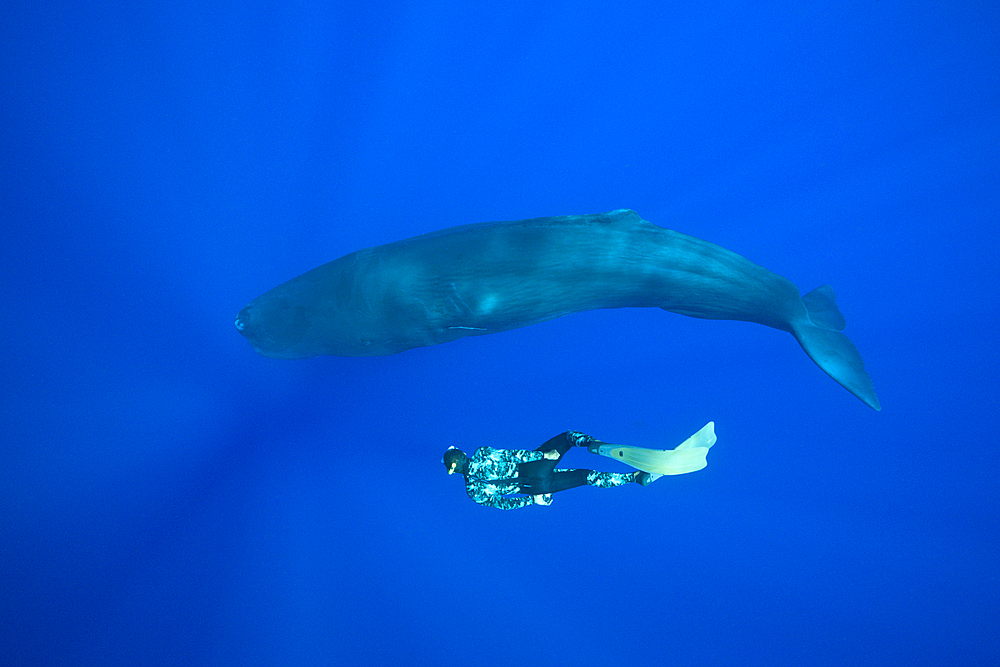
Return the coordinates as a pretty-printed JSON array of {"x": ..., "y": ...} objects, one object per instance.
[{"x": 621, "y": 216}]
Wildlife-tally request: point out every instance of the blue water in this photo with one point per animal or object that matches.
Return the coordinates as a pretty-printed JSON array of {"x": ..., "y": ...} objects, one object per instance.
[{"x": 169, "y": 497}]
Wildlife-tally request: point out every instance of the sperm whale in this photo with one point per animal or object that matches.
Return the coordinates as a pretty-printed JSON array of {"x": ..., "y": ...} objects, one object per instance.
[{"x": 496, "y": 276}]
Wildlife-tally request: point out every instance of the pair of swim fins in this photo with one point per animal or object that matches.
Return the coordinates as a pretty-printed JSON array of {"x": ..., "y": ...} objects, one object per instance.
[{"x": 685, "y": 457}]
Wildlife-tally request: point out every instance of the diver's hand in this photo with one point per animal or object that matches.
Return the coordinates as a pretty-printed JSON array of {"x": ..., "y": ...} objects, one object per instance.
[
  {"x": 551, "y": 455},
  {"x": 543, "y": 499}
]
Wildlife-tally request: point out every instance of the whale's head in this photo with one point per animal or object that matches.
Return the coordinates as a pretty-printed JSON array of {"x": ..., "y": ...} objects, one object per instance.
[
  {"x": 274, "y": 327},
  {"x": 331, "y": 310}
]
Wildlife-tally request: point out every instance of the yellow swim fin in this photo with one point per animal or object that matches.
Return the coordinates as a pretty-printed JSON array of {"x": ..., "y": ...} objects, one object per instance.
[{"x": 685, "y": 457}]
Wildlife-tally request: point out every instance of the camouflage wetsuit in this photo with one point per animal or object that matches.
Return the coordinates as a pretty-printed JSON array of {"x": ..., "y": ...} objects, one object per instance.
[{"x": 492, "y": 474}]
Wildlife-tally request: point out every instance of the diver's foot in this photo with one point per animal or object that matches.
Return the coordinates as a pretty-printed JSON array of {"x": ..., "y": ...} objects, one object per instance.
[
  {"x": 646, "y": 478},
  {"x": 583, "y": 440}
]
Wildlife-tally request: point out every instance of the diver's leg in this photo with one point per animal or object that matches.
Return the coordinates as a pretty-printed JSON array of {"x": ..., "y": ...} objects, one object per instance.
[
  {"x": 540, "y": 477},
  {"x": 543, "y": 468},
  {"x": 607, "y": 480},
  {"x": 561, "y": 443},
  {"x": 560, "y": 480}
]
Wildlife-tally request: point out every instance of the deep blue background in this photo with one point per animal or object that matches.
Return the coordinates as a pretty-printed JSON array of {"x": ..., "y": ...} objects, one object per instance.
[{"x": 169, "y": 497}]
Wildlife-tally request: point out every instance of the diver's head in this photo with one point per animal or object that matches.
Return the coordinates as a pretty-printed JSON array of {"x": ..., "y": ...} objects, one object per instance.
[{"x": 454, "y": 460}]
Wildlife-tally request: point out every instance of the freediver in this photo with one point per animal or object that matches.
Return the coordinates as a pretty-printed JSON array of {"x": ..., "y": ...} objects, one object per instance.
[{"x": 492, "y": 474}]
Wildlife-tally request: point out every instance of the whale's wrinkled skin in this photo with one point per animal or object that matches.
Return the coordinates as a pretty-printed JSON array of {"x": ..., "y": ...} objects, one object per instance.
[{"x": 494, "y": 276}]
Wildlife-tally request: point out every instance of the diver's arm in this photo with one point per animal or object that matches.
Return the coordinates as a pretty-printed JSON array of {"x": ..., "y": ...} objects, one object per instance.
[
  {"x": 522, "y": 455},
  {"x": 507, "y": 503}
]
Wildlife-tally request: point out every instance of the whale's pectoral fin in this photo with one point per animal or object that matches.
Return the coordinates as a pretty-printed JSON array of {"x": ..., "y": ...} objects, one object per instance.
[{"x": 831, "y": 350}]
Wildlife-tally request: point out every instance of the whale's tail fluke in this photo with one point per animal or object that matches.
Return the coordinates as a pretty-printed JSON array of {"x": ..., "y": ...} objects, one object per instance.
[{"x": 832, "y": 351}]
